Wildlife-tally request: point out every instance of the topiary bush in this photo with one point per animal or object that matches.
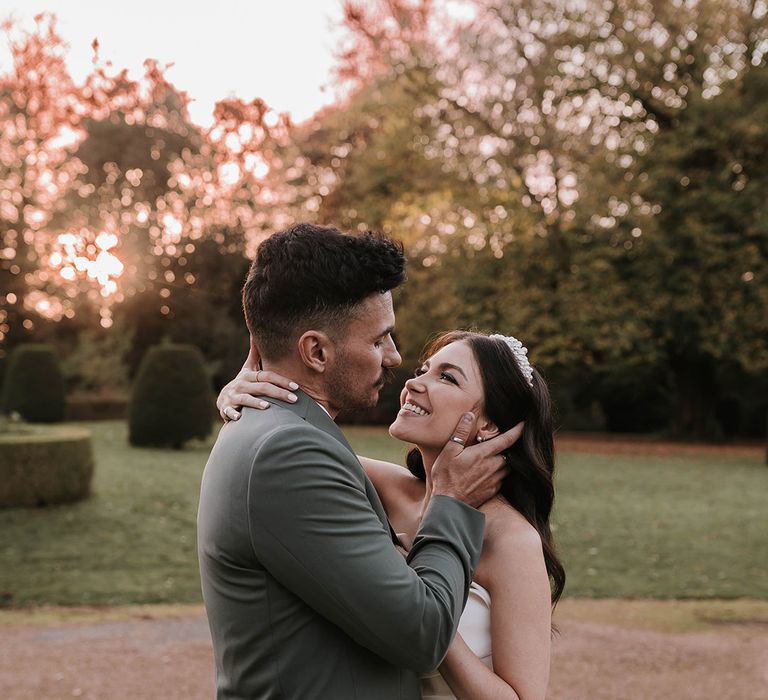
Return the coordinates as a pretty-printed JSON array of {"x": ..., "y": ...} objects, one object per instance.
[
  {"x": 34, "y": 385},
  {"x": 172, "y": 400},
  {"x": 43, "y": 466}
]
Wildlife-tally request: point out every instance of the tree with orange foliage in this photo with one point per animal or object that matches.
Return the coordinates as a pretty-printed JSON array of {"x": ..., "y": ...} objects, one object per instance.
[
  {"x": 108, "y": 191},
  {"x": 39, "y": 129}
]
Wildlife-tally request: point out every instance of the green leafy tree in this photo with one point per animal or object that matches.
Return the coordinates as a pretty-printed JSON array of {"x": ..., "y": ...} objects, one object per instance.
[
  {"x": 708, "y": 244},
  {"x": 97, "y": 364},
  {"x": 545, "y": 111}
]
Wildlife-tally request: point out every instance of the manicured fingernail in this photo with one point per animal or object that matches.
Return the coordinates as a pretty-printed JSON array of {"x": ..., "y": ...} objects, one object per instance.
[
  {"x": 292, "y": 397},
  {"x": 293, "y": 385},
  {"x": 467, "y": 418},
  {"x": 264, "y": 404},
  {"x": 236, "y": 416}
]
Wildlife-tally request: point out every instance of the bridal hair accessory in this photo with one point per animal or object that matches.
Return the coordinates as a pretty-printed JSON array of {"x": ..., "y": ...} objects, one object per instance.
[{"x": 520, "y": 353}]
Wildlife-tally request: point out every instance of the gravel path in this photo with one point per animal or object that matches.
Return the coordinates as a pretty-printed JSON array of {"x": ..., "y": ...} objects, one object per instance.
[{"x": 143, "y": 657}]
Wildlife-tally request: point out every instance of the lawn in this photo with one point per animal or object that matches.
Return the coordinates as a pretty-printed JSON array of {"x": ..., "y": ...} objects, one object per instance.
[{"x": 645, "y": 527}]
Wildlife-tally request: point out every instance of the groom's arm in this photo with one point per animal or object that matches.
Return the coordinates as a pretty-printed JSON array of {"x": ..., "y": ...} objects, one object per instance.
[{"x": 314, "y": 529}]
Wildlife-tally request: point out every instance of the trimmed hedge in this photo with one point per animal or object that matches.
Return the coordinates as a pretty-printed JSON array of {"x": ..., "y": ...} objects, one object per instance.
[
  {"x": 172, "y": 401},
  {"x": 34, "y": 385},
  {"x": 45, "y": 466}
]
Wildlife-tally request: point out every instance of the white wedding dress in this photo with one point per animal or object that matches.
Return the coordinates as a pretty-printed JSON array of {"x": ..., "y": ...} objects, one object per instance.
[{"x": 475, "y": 630}]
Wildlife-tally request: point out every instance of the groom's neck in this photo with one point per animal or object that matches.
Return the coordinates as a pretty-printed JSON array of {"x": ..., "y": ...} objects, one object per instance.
[{"x": 311, "y": 383}]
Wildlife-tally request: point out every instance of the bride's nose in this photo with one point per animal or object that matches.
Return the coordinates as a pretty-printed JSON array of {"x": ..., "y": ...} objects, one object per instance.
[{"x": 415, "y": 385}]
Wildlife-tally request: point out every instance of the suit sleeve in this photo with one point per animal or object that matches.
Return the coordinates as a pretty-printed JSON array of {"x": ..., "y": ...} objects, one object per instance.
[{"x": 313, "y": 527}]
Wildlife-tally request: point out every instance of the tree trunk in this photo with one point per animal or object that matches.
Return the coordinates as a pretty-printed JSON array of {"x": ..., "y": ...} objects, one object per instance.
[{"x": 693, "y": 412}]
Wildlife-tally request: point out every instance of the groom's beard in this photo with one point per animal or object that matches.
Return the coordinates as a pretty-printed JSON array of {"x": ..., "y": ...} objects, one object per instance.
[
  {"x": 346, "y": 391},
  {"x": 387, "y": 374}
]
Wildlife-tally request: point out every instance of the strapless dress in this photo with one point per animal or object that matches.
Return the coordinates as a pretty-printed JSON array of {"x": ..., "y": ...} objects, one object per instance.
[{"x": 475, "y": 630}]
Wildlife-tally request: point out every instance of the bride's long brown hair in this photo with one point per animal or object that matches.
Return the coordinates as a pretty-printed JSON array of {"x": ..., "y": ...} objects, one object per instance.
[{"x": 509, "y": 399}]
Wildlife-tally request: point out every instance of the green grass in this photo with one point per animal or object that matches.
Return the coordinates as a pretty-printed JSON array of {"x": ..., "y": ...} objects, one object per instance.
[
  {"x": 672, "y": 527},
  {"x": 626, "y": 527},
  {"x": 132, "y": 541}
]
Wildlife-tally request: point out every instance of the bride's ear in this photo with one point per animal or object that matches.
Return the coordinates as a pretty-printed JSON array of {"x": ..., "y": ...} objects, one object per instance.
[{"x": 486, "y": 429}]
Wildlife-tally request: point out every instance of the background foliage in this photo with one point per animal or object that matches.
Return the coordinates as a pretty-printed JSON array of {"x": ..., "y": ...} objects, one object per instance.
[
  {"x": 34, "y": 385},
  {"x": 171, "y": 399},
  {"x": 586, "y": 176}
]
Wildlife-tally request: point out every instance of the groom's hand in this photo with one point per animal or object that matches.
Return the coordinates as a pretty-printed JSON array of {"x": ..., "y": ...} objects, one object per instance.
[{"x": 472, "y": 474}]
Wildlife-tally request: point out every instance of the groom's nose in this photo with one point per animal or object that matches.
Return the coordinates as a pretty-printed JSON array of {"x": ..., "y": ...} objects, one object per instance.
[{"x": 391, "y": 355}]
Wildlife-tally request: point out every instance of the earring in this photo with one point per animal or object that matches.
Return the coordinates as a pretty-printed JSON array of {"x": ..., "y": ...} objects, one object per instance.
[{"x": 480, "y": 438}]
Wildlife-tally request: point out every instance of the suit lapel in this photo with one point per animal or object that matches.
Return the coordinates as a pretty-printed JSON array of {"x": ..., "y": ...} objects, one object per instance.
[{"x": 311, "y": 411}]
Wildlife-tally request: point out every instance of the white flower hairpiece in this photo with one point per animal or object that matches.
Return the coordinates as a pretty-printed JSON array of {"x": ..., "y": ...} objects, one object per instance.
[{"x": 520, "y": 353}]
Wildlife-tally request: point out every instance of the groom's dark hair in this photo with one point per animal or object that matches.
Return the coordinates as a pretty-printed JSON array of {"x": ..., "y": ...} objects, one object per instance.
[{"x": 313, "y": 277}]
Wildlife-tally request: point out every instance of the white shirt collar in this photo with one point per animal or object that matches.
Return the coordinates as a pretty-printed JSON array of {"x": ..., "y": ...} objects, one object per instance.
[{"x": 324, "y": 408}]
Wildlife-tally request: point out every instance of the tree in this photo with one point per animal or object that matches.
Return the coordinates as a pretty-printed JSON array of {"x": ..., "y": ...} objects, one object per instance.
[
  {"x": 38, "y": 132},
  {"x": 708, "y": 244},
  {"x": 547, "y": 110},
  {"x": 113, "y": 205}
]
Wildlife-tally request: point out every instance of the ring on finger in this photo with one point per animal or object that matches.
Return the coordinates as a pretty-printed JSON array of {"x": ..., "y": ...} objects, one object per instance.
[{"x": 458, "y": 440}]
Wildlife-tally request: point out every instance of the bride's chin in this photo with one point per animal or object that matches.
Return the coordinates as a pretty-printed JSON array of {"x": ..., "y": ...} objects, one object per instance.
[{"x": 400, "y": 431}]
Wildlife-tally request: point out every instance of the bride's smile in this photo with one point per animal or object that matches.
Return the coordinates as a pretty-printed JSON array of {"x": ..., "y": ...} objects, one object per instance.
[{"x": 409, "y": 407}]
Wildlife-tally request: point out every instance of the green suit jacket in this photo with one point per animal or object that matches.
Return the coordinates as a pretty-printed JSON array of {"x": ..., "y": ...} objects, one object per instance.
[{"x": 307, "y": 598}]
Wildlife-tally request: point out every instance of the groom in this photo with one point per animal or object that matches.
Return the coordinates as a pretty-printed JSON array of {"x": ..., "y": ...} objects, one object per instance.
[{"x": 306, "y": 595}]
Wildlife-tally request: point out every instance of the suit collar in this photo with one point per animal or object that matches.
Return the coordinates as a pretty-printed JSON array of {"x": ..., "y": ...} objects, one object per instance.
[{"x": 309, "y": 410}]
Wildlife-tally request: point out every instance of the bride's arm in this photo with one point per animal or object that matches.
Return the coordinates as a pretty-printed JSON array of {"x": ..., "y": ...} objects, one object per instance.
[{"x": 517, "y": 582}]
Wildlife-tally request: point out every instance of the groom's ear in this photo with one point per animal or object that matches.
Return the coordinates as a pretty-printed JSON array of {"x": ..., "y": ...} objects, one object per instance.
[{"x": 316, "y": 350}]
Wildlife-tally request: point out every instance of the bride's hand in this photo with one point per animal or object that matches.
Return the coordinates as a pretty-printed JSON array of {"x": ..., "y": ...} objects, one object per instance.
[{"x": 251, "y": 383}]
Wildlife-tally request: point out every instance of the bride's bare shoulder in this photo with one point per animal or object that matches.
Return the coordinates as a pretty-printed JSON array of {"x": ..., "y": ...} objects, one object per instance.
[{"x": 510, "y": 540}]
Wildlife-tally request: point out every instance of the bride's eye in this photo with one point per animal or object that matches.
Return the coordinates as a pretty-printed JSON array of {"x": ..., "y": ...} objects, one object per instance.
[{"x": 448, "y": 377}]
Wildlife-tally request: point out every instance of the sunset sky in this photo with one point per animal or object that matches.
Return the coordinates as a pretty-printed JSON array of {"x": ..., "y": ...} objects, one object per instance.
[{"x": 279, "y": 51}]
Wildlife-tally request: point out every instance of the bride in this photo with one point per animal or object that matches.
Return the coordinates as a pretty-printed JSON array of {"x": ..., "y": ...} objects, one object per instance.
[{"x": 502, "y": 648}]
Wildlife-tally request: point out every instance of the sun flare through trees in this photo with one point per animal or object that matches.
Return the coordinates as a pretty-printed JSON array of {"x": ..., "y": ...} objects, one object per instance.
[{"x": 106, "y": 186}]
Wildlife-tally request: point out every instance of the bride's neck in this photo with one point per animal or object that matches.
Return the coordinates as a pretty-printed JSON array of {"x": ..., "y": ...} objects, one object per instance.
[{"x": 428, "y": 460}]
